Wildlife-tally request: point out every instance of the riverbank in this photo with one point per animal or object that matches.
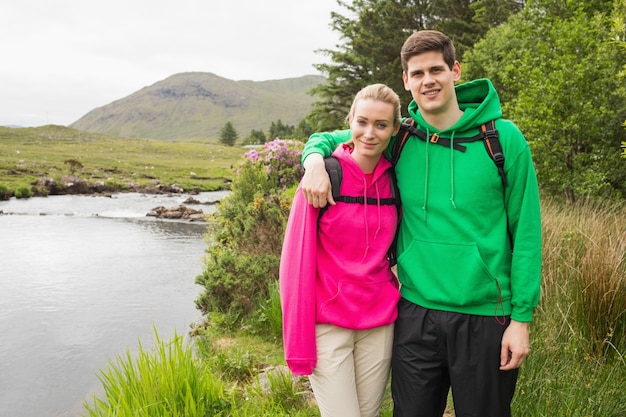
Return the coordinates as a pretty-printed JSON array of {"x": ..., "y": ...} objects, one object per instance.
[{"x": 59, "y": 160}]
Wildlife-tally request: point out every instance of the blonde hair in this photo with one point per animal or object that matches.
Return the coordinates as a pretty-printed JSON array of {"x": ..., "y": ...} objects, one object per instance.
[{"x": 378, "y": 92}]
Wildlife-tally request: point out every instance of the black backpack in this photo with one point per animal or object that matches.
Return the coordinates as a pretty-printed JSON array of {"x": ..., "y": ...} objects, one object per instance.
[{"x": 488, "y": 134}]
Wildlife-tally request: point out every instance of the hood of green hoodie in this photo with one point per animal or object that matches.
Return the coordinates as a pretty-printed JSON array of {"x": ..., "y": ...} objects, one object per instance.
[{"x": 479, "y": 101}]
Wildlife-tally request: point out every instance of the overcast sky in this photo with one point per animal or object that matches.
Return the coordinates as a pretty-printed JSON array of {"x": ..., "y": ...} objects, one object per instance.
[{"x": 63, "y": 58}]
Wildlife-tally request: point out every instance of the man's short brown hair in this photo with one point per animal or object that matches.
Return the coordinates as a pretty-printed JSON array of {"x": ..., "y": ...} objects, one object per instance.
[{"x": 426, "y": 41}]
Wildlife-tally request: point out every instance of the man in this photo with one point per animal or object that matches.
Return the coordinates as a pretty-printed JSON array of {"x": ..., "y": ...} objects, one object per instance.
[{"x": 469, "y": 247}]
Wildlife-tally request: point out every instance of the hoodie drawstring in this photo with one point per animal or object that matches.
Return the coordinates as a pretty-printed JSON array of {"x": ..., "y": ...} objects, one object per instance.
[
  {"x": 367, "y": 239},
  {"x": 452, "y": 170},
  {"x": 424, "y": 206},
  {"x": 378, "y": 208}
]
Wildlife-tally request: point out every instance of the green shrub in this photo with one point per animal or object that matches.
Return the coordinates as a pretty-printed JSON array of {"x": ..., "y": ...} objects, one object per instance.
[
  {"x": 23, "y": 192},
  {"x": 244, "y": 257},
  {"x": 235, "y": 283},
  {"x": 5, "y": 193}
]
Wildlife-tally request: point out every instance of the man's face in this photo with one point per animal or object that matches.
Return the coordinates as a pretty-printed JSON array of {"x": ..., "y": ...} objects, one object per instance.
[{"x": 431, "y": 82}]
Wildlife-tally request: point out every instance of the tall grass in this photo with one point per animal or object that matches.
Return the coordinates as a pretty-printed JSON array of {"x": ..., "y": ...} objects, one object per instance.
[
  {"x": 584, "y": 275},
  {"x": 577, "y": 364},
  {"x": 166, "y": 381}
]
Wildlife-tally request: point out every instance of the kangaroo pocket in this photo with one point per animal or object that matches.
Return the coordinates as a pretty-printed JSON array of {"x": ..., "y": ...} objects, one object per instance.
[
  {"x": 360, "y": 305},
  {"x": 446, "y": 274}
]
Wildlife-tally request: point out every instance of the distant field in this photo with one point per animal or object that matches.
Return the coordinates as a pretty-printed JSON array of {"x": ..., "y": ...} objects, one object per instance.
[{"x": 27, "y": 154}]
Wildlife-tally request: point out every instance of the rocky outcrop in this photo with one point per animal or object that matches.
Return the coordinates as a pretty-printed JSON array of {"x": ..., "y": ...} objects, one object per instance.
[
  {"x": 75, "y": 185},
  {"x": 177, "y": 213}
]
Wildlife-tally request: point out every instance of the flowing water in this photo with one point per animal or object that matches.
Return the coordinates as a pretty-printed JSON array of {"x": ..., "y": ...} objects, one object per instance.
[{"x": 82, "y": 280}]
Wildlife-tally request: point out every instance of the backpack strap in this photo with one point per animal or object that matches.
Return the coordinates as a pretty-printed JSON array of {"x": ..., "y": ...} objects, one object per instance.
[
  {"x": 488, "y": 134},
  {"x": 391, "y": 201},
  {"x": 491, "y": 140},
  {"x": 409, "y": 128},
  {"x": 333, "y": 167}
]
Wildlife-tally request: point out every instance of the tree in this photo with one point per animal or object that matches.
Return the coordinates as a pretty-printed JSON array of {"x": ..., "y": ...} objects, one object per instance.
[
  {"x": 466, "y": 21},
  {"x": 557, "y": 70},
  {"x": 370, "y": 53},
  {"x": 280, "y": 130},
  {"x": 256, "y": 137},
  {"x": 303, "y": 130},
  {"x": 228, "y": 135},
  {"x": 373, "y": 33}
]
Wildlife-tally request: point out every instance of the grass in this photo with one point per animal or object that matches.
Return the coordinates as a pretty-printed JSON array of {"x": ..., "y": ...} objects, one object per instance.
[
  {"x": 167, "y": 381},
  {"x": 27, "y": 154},
  {"x": 576, "y": 367},
  {"x": 578, "y": 360}
]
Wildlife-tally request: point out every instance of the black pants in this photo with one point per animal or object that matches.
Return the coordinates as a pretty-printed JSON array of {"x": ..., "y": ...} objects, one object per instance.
[{"x": 435, "y": 350}]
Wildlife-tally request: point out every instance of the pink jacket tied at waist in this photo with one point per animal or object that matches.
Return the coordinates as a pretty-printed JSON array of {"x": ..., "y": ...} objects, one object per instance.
[{"x": 336, "y": 271}]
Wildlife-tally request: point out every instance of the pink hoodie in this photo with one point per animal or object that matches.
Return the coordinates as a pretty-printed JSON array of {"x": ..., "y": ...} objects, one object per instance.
[{"x": 337, "y": 271}]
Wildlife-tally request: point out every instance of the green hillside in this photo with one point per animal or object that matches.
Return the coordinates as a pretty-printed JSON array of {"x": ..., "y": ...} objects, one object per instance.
[{"x": 196, "y": 105}]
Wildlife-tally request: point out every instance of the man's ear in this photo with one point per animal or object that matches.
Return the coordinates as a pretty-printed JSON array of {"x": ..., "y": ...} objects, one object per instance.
[
  {"x": 456, "y": 70},
  {"x": 405, "y": 78}
]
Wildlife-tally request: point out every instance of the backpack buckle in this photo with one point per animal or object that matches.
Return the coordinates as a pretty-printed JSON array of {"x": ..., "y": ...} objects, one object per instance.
[{"x": 434, "y": 138}]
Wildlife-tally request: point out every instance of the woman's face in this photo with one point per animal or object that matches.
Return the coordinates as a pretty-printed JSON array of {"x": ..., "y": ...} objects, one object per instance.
[{"x": 372, "y": 125}]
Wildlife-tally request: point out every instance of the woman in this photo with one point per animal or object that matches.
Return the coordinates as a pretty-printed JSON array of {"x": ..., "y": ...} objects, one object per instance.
[{"x": 338, "y": 294}]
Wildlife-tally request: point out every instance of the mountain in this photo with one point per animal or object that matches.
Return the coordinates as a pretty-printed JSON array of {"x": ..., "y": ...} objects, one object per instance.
[{"x": 196, "y": 105}]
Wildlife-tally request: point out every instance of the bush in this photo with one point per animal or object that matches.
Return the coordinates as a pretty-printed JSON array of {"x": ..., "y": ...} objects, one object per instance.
[
  {"x": 23, "y": 192},
  {"x": 235, "y": 283},
  {"x": 244, "y": 260},
  {"x": 5, "y": 194},
  {"x": 281, "y": 159}
]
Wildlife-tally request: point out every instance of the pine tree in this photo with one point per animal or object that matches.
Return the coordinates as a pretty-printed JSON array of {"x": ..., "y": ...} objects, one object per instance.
[{"x": 228, "y": 135}]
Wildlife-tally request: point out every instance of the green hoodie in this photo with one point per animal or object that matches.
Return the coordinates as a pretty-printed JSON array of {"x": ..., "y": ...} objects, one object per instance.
[{"x": 458, "y": 224}]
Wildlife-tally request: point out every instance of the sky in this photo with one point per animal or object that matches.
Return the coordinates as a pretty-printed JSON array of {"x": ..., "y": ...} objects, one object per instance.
[{"x": 64, "y": 58}]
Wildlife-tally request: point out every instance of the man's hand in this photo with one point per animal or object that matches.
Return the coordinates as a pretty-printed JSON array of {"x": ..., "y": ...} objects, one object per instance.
[
  {"x": 315, "y": 183},
  {"x": 515, "y": 345}
]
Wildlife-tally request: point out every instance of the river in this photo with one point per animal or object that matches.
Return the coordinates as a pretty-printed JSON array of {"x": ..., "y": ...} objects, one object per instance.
[{"x": 82, "y": 280}]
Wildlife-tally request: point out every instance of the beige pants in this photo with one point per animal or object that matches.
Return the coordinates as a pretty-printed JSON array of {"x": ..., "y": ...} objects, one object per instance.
[{"x": 352, "y": 370}]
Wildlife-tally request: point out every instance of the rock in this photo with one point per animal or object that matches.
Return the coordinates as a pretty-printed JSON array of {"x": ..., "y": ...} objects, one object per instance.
[
  {"x": 191, "y": 200},
  {"x": 180, "y": 212},
  {"x": 75, "y": 185}
]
